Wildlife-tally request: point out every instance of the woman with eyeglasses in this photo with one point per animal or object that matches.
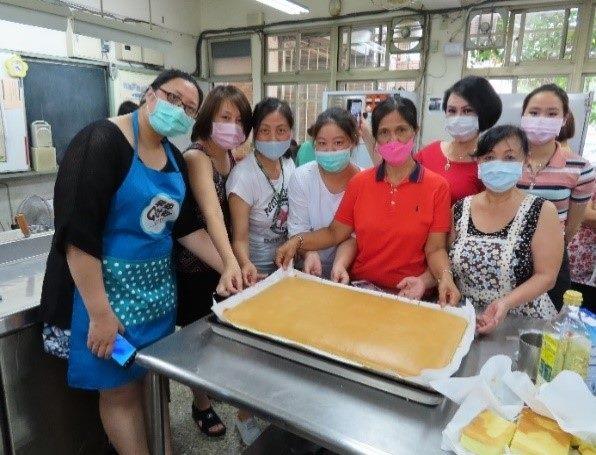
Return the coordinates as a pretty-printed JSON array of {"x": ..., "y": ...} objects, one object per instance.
[
  {"x": 222, "y": 125},
  {"x": 121, "y": 201},
  {"x": 398, "y": 211},
  {"x": 471, "y": 106}
]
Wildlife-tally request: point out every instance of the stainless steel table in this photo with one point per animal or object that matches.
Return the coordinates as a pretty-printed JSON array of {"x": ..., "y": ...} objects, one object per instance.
[{"x": 338, "y": 414}]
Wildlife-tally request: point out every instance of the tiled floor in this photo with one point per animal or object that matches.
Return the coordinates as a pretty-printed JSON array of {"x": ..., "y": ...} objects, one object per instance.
[{"x": 188, "y": 439}]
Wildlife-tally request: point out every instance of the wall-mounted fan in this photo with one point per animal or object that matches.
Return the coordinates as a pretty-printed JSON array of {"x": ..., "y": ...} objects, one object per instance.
[
  {"x": 487, "y": 29},
  {"x": 407, "y": 36}
]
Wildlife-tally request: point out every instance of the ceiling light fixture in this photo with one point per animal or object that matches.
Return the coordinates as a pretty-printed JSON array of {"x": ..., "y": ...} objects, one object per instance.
[{"x": 286, "y": 6}]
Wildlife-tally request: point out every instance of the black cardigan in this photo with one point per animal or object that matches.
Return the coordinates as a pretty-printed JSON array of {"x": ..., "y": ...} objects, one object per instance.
[{"x": 93, "y": 168}]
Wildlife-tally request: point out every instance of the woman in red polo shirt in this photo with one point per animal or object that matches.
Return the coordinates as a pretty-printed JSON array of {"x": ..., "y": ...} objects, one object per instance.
[
  {"x": 471, "y": 106},
  {"x": 399, "y": 211}
]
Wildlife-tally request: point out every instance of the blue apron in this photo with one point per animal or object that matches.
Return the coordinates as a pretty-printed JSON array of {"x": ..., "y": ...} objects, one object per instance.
[{"x": 137, "y": 270}]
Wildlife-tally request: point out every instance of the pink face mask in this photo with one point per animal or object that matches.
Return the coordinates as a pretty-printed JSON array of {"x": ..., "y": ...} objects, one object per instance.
[
  {"x": 541, "y": 130},
  {"x": 227, "y": 135},
  {"x": 396, "y": 153}
]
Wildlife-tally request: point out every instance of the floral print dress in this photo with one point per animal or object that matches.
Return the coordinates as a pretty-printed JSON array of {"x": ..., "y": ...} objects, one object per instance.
[{"x": 488, "y": 266}]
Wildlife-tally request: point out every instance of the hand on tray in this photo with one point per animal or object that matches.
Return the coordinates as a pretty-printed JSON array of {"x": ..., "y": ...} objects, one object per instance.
[
  {"x": 411, "y": 287},
  {"x": 312, "y": 264},
  {"x": 339, "y": 274},
  {"x": 448, "y": 292},
  {"x": 250, "y": 274},
  {"x": 230, "y": 281},
  {"x": 285, "y": 253}
]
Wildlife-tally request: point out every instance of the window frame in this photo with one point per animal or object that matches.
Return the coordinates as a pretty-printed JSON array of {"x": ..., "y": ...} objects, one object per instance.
[{"x": 528, "y": 67}]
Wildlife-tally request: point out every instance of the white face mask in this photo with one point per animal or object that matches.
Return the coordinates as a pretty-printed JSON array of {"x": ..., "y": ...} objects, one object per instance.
[{"x": 462, "y": 128}]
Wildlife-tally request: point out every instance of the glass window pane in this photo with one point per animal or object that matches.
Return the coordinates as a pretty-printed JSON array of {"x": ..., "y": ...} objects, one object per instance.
[
  {"x": 487, "y": 58},
  {"x": 314, "y": 51},
  {"x": 231, "y": 57},
  {"x": 408, "y": 86},
  {"x": 543, "y": 35},
  {"x": 298, "y": 52},
  {"x": 487, "y": 30},
  {"x": 589, "y": 151},
  {"x": 357, "y": 86},
  {"x": 281, "y": 53},
  {"x": 502, "y": 85},
  {"x": 407, "y": 36},
  {"x": 306, "y": 102},
  {"x": 527, "y": 84},
  {"x": 368, "y": 47}
]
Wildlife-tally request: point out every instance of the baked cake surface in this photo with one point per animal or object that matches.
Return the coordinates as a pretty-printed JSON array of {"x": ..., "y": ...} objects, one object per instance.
[
  {"x": 487, "y": 434},
  {"x": 378, "y": 332}
]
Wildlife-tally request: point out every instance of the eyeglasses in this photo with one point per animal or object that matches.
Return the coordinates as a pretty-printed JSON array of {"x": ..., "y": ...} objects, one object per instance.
[{"x": 177, "y": 101}]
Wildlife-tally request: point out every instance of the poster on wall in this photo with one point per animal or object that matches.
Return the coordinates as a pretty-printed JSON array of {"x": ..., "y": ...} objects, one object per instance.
[{"x": 131, "y": 86}]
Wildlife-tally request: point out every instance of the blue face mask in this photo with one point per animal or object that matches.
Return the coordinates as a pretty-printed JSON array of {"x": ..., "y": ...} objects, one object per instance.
[
  {"x": 273, "y": 149},
  {"x": 169, "y": 120},
  {"x": 500, "y": 176},
  {"x": 333, "y": 161}
]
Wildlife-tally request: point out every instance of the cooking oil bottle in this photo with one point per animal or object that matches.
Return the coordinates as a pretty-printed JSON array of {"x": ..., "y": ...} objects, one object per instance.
[{"x": 566, "y": 343}]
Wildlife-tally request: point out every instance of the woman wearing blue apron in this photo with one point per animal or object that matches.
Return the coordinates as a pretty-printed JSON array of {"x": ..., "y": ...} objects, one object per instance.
[{"x": 120, "y": 201}]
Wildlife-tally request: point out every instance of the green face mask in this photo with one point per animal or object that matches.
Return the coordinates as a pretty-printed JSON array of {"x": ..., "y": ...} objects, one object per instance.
[
  {"x": 169, "y": 120},
  {"x": 335, "y": 161}
]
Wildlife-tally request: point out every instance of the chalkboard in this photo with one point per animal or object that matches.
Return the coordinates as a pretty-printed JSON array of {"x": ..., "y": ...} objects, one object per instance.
[{"x": 68, "y": 96}]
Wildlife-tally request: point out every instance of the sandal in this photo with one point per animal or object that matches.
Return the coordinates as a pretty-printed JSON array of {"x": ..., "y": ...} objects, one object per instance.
[{"x": 206, "y": 420}]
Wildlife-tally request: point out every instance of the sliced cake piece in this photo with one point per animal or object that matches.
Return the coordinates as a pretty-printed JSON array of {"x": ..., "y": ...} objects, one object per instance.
[
  {"x": 487, "y": 434},
  {"x": 539, "y": 435}
]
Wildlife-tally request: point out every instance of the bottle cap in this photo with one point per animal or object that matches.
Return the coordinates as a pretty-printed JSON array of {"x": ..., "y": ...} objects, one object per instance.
[{"x": 573, "y": 298}]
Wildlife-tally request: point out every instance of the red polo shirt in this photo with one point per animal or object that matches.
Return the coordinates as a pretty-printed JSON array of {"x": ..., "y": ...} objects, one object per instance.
[{"x": 392, "y": 223}]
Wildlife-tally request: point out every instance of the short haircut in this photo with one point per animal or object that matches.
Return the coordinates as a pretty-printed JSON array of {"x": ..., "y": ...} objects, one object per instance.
[
  {"x": 268, "y": 106},
  {"x": 338, "y": 116},
  {"x": 170, "y": 74},
  {"x": 127, "y": 107},
  {"x": 403, "y": 106},
  {"x": 499, "y": 133},
  {"x": 481, "y": 95},
  {"x": 568, "y": 128},
  {"x": 553, "y": 88},
  {"x": 204, "y": 122}
]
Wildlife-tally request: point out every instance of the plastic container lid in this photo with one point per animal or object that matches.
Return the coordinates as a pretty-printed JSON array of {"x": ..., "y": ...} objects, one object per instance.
[{"x": 573, "y": 298}]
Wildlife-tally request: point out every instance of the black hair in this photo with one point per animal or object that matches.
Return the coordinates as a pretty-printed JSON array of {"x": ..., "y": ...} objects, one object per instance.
[
  {"x": 403, "y": 106},
  {"x": 268, "y": 106},
  {"x": 127, "y": 107},
  {"x": 338, "y": 116},
  {"x": 166, "y": 76},
  {"x": 481, "y": 95},
  {"x": 204, "y": 121},
  {"x": 499, "y": 133},
  {"x": 553, "y": 88},
  {"x": 568, "y": 129}
]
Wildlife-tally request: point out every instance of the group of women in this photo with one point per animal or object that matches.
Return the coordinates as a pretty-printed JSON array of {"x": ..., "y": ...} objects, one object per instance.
[{"x": 145, "y": 235}]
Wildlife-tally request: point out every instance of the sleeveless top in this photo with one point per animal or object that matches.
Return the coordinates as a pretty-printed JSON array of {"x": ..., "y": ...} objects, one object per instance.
[
  {"x": 488, "y": 266},
  {"x": 185, "y": 260}
]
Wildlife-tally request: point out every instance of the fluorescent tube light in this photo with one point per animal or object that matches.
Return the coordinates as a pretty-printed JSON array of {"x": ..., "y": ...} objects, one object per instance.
[{"x": 285, "y": 6}]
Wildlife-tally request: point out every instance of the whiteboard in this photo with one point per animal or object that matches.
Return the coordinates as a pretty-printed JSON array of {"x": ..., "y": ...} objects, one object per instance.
[
  {"x": 579, "y": 103},
  {"x": 15, "y": 129}
]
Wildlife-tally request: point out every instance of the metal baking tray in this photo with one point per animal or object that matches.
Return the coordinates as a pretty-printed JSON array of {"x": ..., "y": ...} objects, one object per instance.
[{"x": 411, "y": 392}]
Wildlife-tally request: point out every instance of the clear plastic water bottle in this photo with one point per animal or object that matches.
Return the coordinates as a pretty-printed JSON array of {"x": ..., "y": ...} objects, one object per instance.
[{"x": 566, "y": 343}]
